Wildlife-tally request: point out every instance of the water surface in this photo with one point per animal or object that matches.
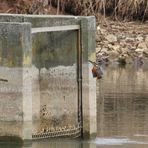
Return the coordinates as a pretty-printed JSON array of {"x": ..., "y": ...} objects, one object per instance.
[{"x": 122, "y": 112}]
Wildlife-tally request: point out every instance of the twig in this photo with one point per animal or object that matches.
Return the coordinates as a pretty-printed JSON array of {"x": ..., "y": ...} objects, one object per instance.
[{"x": 4, "y": 80}]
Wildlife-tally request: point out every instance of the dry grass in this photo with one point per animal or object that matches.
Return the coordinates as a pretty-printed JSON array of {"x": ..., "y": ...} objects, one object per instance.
[
  {"x": 118, "y": 9},
  {"x": 24, "y": 6},
  {"x": 124, "y": 9}
]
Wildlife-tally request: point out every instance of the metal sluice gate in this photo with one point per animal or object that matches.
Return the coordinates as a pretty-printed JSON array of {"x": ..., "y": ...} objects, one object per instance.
[{"x": 76, "y": 130}]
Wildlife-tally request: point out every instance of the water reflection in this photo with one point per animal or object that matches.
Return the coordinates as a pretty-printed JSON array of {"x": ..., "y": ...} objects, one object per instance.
[
  {"x": 54, "y": 143},
  {"x": 98, "y": 143},
  {"x": 123, "y": 106},
  {"x": 122, "y": 113},
  {"x": 123, "y": 102}
]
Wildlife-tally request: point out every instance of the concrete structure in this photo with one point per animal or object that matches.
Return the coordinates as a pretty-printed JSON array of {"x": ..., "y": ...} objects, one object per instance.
[{"x": 47, "y": 77}]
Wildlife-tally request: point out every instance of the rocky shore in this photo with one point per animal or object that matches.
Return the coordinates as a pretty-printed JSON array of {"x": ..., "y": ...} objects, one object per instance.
[{"x": 122, "y": 43}]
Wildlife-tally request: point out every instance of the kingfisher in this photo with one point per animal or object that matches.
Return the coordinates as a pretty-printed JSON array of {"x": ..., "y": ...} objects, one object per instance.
[{"x": 97, "y": 70}]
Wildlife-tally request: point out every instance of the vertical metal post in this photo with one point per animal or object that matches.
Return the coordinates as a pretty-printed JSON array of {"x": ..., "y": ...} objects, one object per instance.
[{"x": 79, "y": 80}]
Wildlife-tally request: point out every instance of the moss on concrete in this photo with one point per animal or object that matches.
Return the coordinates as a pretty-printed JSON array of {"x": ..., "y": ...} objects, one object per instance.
[{"x": 11, "y": 139}]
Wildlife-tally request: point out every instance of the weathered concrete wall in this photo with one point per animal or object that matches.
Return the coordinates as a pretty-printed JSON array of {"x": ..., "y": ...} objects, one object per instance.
[
  {"x": 15, "y": 43},
  {"x": 44, "y": 21},
  {"x": 40, "y": 20},
  {"x": 54, "y": 55},
  {"x": 88, "y": 83},
  {"x": 35, "y": 78},
  {"x": 50, "y": 21},
  {"x": 11, "y": 18},
  {"x": 88, "y": 52}
]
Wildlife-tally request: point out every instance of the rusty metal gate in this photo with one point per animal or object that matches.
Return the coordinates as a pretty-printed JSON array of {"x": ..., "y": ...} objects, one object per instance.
[{"x": 57, "y": 58}]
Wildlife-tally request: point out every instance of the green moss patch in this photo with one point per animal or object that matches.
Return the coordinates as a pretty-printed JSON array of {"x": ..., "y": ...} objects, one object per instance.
[{"x": 11, "y": 139}]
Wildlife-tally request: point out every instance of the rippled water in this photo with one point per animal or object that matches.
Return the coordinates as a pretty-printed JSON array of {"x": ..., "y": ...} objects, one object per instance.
[
  {"x": 96, "y": 143},
  {"x": 122, "y": 101},
  {"x": 123, "y": 107}
]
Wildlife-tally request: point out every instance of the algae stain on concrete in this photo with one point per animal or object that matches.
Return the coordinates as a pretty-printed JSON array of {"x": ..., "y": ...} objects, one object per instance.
[{"x": 11, "y": 139}]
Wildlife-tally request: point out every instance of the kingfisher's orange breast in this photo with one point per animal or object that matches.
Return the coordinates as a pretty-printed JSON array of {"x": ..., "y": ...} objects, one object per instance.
[{"x": 94, "y": 71}]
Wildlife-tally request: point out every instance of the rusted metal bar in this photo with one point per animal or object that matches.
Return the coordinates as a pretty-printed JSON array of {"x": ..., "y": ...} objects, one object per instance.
[
  {"x": 73, "y": 132},
  {"x": 79, "y": 79}
]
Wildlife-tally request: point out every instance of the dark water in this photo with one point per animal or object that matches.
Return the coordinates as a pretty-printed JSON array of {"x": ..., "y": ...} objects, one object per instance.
[
  {"x": 123, "y": 106},
  {"x": 122, "y": 101},
  {"x": 98, "y": 143}
]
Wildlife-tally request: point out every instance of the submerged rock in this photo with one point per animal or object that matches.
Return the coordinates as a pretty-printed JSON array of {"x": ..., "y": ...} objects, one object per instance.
[{"x": 122, "y": 59}]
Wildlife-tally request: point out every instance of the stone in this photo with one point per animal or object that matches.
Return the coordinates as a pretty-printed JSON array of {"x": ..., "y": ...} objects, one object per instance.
[
  {"x": 98, "y": 39},
  {"x": 128, "y": 39},
  {"x": 111, "y": 38},
  {"x": 104, "y": 50},
  {"x": 98, "y": 28},
  {"x": 145, "y": 51},
  {"x": 123, "y": 44},
  {"x": 113, "y": 54},
  {"x": 139, "y": 50},
  {"x": 146, "y": 40},
  {"x": 98, "y": 50},
  {"x": 145, "y": 54},
  {"x": 116, "y": 47},
  {"x": 103, "y": 31},
  {"x": 110, "y": 46},
  {"x": 129, "y": 60},
  {"x": 124, "y": 50},
  {"x": 122, "y": 59},
  {"x": 142, "y": 45},
  {"x": 140, "y": 38}
]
